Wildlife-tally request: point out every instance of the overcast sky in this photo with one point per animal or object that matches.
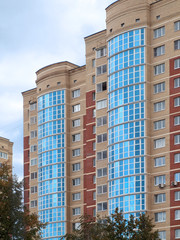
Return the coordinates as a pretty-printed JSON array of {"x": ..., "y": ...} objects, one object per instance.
[{"x": 33, "y": 34}]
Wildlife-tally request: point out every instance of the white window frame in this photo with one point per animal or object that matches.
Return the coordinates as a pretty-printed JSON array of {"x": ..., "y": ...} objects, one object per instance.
[
  {"x": 76, "y": 108},
  {"x": 33, "y": 203},
  {"x": 76, "y": 152},
  {"x": 101, "y": 87},
  {"x": 102, "y": 189},
  {"x": 76, "y": 137},
  {"x": 101, "y": 172},
  {"x": 101, "y": 155},
  {"x": 76, "y": 167},
  {"x": 33, "y": 161},
  {"x": 159, "y": 143},
  {"x": 161, "y": 179},
  {"x": 101, "y": 69},
  {"x": 162, "y": 235},
  {"x": 33, "y": 106},
  {"x": 177, "y": 26},
  {"x": 177, "y": 233},
  {"x": 159, "y": 32},
  {"x": 176, "y": 139},
  {"x": 33, "y": 189},
  {"x": 76, "y": 211},
  {"x": 160, "y": 198},
  {"x": 159, "y": 87},
  {"x": 177, "y": 196},
  {"x": 76, "y": 93},
  {"x": 177, "y": 102},
  {"x": 159, "y": 69},
  {"x": 102, "y": 138},
  {"x": 76, "y": 123},
  {"x": 177, "y": 63},
  {"x": 33, "y": 134},
  {"x": 177, "y": 82},
  {"x": 33, "y": 120},
  {"x": 76, "y": 196},
  {"x": 159, "y": 106},
  {"x": 160, "y": 124},
  {"x": 101, "y": 52},
  {"x": 159, "y": 161},
  {"x": 177, "y": 158},
  {"x": 101, "y": 121},
  {"x": 158, "y": 51},
  {"x": 177, "y": 44},
  {"x": 177, "y": 214},
  {"x": 160, "y": 217},
  {"x": 101, "y": 104},
  {"x": 102, "y": 206},
  {"x": 76, "y": 181}
]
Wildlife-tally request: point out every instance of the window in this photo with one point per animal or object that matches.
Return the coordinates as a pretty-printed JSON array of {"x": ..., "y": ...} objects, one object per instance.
[
  {"x": 158, "y": 17},
  {"x": 76, "y": 167},
  {"x": 76, "y": 108},
  {"x": 33, "y": 120},
  {"x": 76, "y": 211},
  {"x": 94, "y": 113},
  {"x": 94, "y": 212},
  {"x": 34, "y": 189},
  {"x": 159, "y": 32},
  {"x": 177, "y": 63},
  {"x": 33, "y": 203},
  {"x": 101, "y": 52},
  {"x": 76, "y": 152},
  {"x": 177, "y": 177},
  {"x": 76, "y": 122},
  {"x": 76, "y": 196},
  {"x": 76, "y": 93},
  {"x": 102, "y": 155},
  {"x": 94, "y": 162},
  {"x": 177, "y": 139},
  {"x": 76, "y": 181},
  {"x": 94, "y": 129},
  {"x": 33, "y": 106},
  {"x": 176, "y": 82},
  {"x": 160, "y": 198},
  {"x": 94, "y": 146},
  {"x": 33, "y": 134},
  {"x": 160, "y": 87},
  {"x": 159, "y": 161},
  {"x": 159, "y": 143},
  {"x": 159, "y": 124},
  {"x": 159, "y": 106},
  {"x": 177, "y": 158},
  {"x": 101, "y": 172},
  {"x": 101, "y": 69},
  {"x": 93, "y": 63},
  {"x": 94, "y": 195},
  {"x": 159, "y": 180},
  {"x": 102, "y": 138},
  {"x": 177, "y": 102},
  {"x": 101, "y": 104},
  {"x": 137, "y": 19},
  {"x": 162, "y": 235},
  {"x": 160, "y": 217},
  {"x": 177, "y": 233},
  {"x": 76, "y": 137},
  {"x": 101, "y": 189},
  {"x": 159, "y": 69},
  {"x": 33, "y": 175},
  {"x": 177, "y": 44},
  {"x": 177, "y": 196},
  {"x": 177, "y": 26},
  {"x": 177, "y": 120},
  {"x": 93, "y": 96},
  {"x": 3, "y": 155},
  {"x": 33, "y": 161},
  {"x": 94, "y": 179},
  {"x": 102, "y": 206},
  {"x": 101, "y": 121},
  {"x": 33, "y": 148},
  {"x": 158, "y": 51},
  {"x": 177, "y": 214},
  {"x": 93, "y": 79},
  {"x": 76, "y": 226},
  {"x": 101, "y": 87}
]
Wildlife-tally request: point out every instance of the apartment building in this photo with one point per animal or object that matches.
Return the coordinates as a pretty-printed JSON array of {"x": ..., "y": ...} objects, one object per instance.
[
  {"x": 107, "y": 134},
  {"x": 6, "y": 151}
]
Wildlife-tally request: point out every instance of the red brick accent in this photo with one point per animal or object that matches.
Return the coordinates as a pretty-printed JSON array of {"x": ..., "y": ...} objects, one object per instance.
[
  {"x": 172, "y": 234},
  {"x": 172, "y": 146},
  {"x": 172, "y": 127},
  {"x": 26, "y": 169},
  {"x": 172, "y": 197},
  {"x": 26, "y": 142},
  {"x": 89, "y": 211},
  {"x": 172, "y": 108},
  {"x": 172, "y": 89},
  {"x": 172, "y": 70},
  {"x": 172, "y": 164},
  {"x": 89, "y": 99},
  {"x": 88, "y": 140},
  {"x": 88, "y": 165}
]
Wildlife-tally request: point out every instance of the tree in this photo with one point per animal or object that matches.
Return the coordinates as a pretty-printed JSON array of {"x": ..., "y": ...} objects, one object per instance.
[
  {"x": 15, "y": 221},
  {"x": 115, "y": 227}
]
